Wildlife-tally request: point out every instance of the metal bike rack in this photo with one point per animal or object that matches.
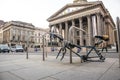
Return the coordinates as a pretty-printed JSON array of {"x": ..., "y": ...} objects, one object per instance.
[
  {"x": 43, "y": 36},
  {"x": 43, "y": 40}
]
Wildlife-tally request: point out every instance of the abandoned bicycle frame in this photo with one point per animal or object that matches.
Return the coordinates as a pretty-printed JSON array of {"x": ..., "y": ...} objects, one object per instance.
[{"x": 69, "y": 45}]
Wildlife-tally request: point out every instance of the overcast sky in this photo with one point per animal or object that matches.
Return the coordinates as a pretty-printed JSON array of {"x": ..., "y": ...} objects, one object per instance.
[{"x": 37, "y": 11}]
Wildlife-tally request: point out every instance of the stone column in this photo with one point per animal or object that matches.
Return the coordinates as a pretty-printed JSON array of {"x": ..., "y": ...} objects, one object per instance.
[
  {"x": 89, "y": 31},
  {"x": 81, "y": 33},
  {"x": 102, "y": 26},
  {"x": 55, "y": 26},
  {"x": 50, "y": 28},
  {"x": 60, "y": 31},
  {"x": 98, "y": 24},
  {"x": 60, "y": 28},
  {"x": 11, "y": 34},
  {"x": 66, "y": 30},
  {"x": 73, "y": 24}
]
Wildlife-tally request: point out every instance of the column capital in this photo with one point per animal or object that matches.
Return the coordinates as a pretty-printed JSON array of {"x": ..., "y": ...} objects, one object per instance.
[
  {"x": 60, "y": 24},
  {"x": 88, "y": 16},
  {"x": 80, "y": 18},
  {"x": 99, "y": 14},
  {"x": 65, "y": 21}
]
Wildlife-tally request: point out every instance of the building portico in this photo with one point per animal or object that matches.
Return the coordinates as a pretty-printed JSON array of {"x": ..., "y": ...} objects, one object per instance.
[{"x": 89, "y": 16}]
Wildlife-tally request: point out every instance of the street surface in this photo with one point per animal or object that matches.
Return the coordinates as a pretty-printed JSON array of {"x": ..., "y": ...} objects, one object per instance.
[{"x": 15, "y": 66}]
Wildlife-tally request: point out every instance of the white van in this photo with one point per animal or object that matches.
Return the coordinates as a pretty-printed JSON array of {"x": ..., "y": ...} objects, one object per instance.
[{"x": 19, "y": 48}]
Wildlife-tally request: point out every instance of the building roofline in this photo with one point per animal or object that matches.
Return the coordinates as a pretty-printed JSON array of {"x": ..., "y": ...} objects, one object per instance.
[
  {"x": 74, "y": 5},
  {"x": 19, "y": 24}
]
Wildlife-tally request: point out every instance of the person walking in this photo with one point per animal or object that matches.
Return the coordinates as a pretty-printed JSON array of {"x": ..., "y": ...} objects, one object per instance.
[{"x": 104, "y": 46}]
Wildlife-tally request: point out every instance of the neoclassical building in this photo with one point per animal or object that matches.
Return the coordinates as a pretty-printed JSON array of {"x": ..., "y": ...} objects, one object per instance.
[
  {"x": 1, "y": 35},
  {"x": 1, "y": 31},
  {"x": 92, "y": 17},
  {"x": 38, "y": 33},
  {"x": 17, "y": 32}
]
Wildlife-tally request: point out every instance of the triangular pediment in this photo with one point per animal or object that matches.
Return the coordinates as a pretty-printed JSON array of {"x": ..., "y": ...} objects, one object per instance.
[{"x": 69, "y": 8}]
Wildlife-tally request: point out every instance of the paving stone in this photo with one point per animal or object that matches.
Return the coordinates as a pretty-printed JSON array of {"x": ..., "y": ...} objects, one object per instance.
[
  {"x": 9, "y": 67},
  {"x": 9, "y": 76},
  {"x": 49, "y": 78},
  {"x": 113, "y": 73},
  {"x": 35, "y": 73}
]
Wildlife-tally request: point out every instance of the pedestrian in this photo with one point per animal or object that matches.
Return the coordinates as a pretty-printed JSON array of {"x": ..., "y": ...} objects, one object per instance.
[
  {"x": 104, "y": 46},
  {"x": 78, "y": 50}
]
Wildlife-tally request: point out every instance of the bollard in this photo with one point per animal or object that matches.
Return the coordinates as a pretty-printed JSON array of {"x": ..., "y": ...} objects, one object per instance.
[
  {"x": 27, "y": 52},
  {"x": 43, "y": 49},
  {"x": 70, "y": 56},
  {"x": 27, "y": 48}
]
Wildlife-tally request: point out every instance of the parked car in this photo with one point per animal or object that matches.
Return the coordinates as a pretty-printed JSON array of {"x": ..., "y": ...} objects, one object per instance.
[
  {"x": 19, "y": 48},
  {"x": 12, "y": 48},
  {"x": 4, "y": 48}
]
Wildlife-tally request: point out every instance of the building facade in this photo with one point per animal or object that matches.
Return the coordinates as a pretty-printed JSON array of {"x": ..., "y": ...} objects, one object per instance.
[
  {"x": 1, "y": 35},
  {"x": 38, "y": 39},
  {"x": 1, "y": 30},
  {"x": 92, "y": 17},
  {"x": 17, "y": 32}
]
